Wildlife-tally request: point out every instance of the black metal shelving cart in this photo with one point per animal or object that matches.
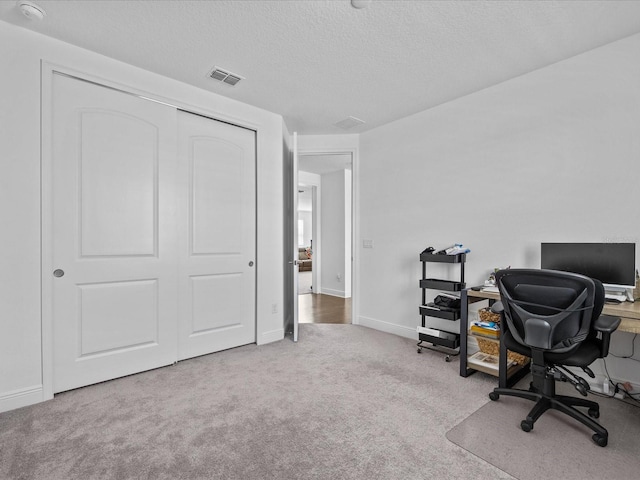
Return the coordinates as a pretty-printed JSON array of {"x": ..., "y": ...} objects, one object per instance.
[{"x": 435, "y": 338}]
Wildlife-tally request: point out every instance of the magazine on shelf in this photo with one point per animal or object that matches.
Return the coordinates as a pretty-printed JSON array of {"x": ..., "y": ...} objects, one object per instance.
[
  {"x": 486, "y": 329},
  {"x": 487, "y": 360},
  {"x": 485, "y": 332},
  {"x": 490, "y": 289}
]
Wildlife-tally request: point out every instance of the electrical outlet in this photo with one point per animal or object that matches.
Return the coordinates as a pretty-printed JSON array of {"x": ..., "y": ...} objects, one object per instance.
[
  {"x": 367, "y": 243},
  {"x": 339, "y": 277},
  {"x": 274, "y": 308}
]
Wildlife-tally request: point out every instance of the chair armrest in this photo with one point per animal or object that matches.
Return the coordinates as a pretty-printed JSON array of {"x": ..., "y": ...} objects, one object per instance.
[
  {"x": 606, "y": 323},
  {"x": 497, "y": 307}
]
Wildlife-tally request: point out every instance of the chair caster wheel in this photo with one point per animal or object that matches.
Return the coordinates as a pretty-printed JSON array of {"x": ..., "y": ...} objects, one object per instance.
[
  {"x": 419, "y": 350},
  {"x": 526, "y": 425},
  {"x": 447, "y": 358},
  {"x": 494, "y": 396},
  {"x": 594, "y": 413},
  {"x": 601, "y": 440}
]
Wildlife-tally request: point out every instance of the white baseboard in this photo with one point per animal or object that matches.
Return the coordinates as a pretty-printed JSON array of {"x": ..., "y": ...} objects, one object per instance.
[
  {"x": 21, "y": 398},
  {"x": 333, "y": 293},
  {"x": 388, "y": 327},
  {"x": 271, "y": 336}
]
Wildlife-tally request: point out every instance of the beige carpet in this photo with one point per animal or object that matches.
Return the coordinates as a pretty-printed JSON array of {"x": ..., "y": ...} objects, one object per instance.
[
  {"x": 344, "y": 403},
  {"x": 558, "y": 446}
]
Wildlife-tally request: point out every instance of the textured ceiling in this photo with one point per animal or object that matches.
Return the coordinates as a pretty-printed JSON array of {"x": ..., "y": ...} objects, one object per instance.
[{"x": 317, "y": 62}]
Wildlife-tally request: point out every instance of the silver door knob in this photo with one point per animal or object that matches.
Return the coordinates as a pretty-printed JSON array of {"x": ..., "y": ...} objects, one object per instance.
[{"x": 58, "y": 273}]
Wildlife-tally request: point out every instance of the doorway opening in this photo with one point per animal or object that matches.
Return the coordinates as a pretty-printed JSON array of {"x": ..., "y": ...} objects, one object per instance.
[
  {"x": 325, "y": 237},
  {"x": 306, "y": 199}
]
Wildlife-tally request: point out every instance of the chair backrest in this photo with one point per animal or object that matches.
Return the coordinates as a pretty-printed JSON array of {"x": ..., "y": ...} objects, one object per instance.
[{"x": 548, "y": 309}]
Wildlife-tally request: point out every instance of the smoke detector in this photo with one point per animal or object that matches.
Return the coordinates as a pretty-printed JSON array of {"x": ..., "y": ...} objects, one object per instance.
[
  {"x": 31, "y": 10},
  {"x": 224, "y": 76}
]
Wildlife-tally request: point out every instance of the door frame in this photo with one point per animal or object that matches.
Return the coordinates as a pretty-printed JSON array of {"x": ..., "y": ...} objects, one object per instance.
[
  {"x": 355, "y": 230},
  {"x": 47, "y": 70}
]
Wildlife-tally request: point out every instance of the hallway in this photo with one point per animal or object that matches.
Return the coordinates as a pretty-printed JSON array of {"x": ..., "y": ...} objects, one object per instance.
[{"x": 318, "y": 308}]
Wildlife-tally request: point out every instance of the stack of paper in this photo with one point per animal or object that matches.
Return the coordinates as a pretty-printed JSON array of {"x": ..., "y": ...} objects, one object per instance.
[{"x": 487, "y": 360}]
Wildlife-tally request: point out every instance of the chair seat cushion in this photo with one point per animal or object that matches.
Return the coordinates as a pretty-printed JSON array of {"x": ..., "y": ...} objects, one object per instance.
[{"x": 587, "y": 352}]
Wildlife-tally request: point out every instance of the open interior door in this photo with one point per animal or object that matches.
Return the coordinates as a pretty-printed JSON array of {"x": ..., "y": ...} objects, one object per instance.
[{"x": 294, "y": 251}]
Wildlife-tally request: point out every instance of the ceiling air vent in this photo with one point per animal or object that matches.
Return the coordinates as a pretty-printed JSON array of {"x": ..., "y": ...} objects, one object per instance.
[
  {"x": 348, "y": 123},
  {"x": 225, "y": 76}
]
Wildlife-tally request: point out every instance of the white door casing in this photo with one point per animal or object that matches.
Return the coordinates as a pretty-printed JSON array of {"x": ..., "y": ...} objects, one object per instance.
[
  {"x": 114, "y": 237},
  {"x": 217, "y": 235}
]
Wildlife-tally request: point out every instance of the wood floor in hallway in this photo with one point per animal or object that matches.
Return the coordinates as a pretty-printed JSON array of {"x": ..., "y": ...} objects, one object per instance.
[{"x": 319, "y": 308}]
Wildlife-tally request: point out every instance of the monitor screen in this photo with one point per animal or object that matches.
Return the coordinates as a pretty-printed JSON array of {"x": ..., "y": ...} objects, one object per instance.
[{"x": 614, "y": 264}]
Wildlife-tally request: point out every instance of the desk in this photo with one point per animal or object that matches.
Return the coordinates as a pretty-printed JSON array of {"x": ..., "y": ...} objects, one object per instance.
[{"x": 629, "y": 313}]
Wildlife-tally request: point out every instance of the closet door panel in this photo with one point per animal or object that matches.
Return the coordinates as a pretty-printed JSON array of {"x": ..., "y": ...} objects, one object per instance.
[
  {"x": 114, "y": 237},
  {"x": 217, "y": 213},
  {"x": 216, "y": 192},
  {"x": 125, "y": 162}
]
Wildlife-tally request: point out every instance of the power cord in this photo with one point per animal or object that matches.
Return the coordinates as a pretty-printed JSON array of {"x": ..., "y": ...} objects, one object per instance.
[{"x": 633, "y": 350}]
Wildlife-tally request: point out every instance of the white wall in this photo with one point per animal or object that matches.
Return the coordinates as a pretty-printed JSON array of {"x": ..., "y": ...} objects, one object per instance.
[
  {"x": 21, "y": 53},
  {"x": 347, "y": 244},
  {"x": 549, "y": 156},
  {"x": 307, "y": 227},
  {"x": 336, "y": 235},
  {"x": 320, "y": 144}
]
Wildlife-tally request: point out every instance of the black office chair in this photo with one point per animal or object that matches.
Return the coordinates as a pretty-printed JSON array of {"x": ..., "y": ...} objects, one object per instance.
[{"x": 554, "y": 318}]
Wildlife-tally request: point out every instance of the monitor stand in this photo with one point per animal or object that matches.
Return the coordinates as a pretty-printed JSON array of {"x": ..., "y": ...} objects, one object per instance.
[{"x": 619, "y": 294}]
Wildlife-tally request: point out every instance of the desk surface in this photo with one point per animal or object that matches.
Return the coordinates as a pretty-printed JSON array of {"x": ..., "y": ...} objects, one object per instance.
[{"x": 629, "y": 312}]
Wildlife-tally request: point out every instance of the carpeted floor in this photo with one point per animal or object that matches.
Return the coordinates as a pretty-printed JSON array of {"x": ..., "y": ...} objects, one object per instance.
[
  {"x": 345, "y": 402},
  {"x": 558, "y": 446}
]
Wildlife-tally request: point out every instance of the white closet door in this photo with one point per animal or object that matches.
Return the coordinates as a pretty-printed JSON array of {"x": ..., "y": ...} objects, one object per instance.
[
  {"x": 217, "y": 229},
  {"x": 114, "y": 236}
]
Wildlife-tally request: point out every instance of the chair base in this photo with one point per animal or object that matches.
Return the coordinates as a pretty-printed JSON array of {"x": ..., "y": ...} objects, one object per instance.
[{"x": 561, "y": 403}]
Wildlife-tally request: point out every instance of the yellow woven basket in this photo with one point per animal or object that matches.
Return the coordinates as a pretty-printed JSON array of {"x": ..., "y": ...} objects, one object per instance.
[{"x": 486, "y": 315}]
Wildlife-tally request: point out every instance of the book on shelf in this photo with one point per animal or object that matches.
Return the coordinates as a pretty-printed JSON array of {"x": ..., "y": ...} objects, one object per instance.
[
  {"x": 490, "y": 289},
  {"x": 485, "y": 332},
  {"x": 487, "y": 360},
  {"x": 486, "y": 329}
]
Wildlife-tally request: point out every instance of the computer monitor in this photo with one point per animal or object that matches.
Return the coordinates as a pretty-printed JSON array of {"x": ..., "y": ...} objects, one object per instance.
[{"x": 614, "y": 264}]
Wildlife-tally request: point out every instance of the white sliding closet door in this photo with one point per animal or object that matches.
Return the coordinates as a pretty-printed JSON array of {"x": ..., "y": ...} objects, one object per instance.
[
  {"x": 114, "y": 234},
  {"x": 217, "y": 225},
  {"x": 153, "y": 232}
]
